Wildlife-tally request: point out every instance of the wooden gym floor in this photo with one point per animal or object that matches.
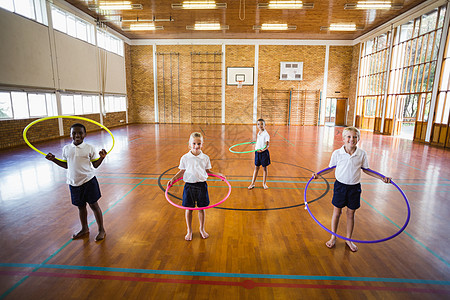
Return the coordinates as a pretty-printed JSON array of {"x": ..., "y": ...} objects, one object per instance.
[{"x": 262, "y": 244}]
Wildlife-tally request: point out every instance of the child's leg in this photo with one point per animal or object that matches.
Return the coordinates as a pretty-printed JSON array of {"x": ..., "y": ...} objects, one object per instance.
[
  {"x": 350, "y": 226},
  {"x": 201, "y": 218},
  {"x": 188, "y": 215},
  {"x": 265, "y": 171},
  {"x": 334, "y": 226},
  {"x": 255, "y": 174},
  {"x": 82, "y": 212},
  {"x": 99, "y": 218}
]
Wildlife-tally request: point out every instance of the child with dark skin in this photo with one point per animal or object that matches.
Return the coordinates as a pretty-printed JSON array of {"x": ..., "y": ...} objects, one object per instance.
[{"x": 83, "y": 184}]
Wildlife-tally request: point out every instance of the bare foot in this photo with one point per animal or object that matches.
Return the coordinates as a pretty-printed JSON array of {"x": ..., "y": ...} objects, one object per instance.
[
  {"x": 100, "y": 236},
  {"x": 204, "y": 234},
  {"x": 80, "y": 234},
  {"x": 331, "y": 243},
  {"x": 251, "y": 186},
  {"x": 352, "y": 246},
  {"x": 188, "y": 236},
  {"x": 265, "y": 186}
]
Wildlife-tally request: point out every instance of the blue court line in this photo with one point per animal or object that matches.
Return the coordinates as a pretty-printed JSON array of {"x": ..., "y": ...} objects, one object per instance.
[
  {"x": 285, "y": 139},
  {"x": 229, "y": 275},
  {"x": 259, "y": 180},
  {"x": 408, "y": 234},
  {"x": 42, "y": 265}
]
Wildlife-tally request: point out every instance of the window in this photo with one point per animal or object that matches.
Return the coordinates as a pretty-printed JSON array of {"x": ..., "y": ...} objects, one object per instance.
[
  {"x": 72, "y": 25},
  {"x": 79, "y": 104},
  {"x": 109, "y": 42},
  {"x": 115, "y": 103},
  {"x": 32, "y": 9},
  {"x": 5, "y": 105}
]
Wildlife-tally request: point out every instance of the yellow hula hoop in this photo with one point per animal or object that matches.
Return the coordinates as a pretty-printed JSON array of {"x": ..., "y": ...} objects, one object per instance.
[{"x": 63, "y": 117}]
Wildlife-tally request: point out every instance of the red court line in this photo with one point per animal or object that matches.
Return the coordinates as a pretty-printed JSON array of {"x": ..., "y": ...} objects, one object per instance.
[{"x": 247, "y": 284}]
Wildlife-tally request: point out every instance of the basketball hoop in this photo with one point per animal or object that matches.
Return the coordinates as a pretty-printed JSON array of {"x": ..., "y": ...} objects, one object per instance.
[{"x": 239, "y": 83}]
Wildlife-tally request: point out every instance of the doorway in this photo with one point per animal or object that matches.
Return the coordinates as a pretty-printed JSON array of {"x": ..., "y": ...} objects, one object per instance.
[{"x": 335, "y": 111}]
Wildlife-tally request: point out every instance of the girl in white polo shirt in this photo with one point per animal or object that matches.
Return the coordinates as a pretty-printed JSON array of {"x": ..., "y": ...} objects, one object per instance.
[
  {"x": 348, "y": 160},
  {"x": 194, "y": 168}
]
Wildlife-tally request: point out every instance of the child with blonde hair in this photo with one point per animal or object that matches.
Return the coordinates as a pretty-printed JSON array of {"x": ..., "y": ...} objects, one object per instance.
[{"x": 194, "y": 168}]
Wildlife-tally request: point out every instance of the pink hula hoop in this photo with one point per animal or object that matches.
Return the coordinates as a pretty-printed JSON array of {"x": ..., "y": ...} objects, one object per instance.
[{"x": 199, "y": 208}]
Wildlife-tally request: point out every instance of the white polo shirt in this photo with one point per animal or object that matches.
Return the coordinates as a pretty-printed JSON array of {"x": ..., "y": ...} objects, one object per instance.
[
  {"x": 195, "y": 167},
  {"x": 261, "y": 139},
  {"x": 79, "y": 166},
  {"x": 348, "y": 167}
]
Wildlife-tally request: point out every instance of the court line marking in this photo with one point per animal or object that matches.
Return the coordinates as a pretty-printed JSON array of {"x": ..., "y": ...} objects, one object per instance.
[
  {"x": 285, "y": 139},
  {"x": 60, "y": 249},
  {"x": 229, "y": 275},
  {"x": 408, "y": 234}
]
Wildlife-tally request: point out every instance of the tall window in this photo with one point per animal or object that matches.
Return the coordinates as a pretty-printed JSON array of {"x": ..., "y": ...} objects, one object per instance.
[
  {"x": 72, "y": 25},
  {"x": 372, "y": 80},
  {"x": 32, "y": 9},
  {"x": 443, "y": 100}
]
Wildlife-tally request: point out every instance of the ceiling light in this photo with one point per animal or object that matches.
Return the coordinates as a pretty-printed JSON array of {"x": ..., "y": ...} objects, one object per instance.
[
  {"x": 341, "y": 27},
  {"x": 198, "y": 5},
  {"x": 292, "y": 4},
  {"x": 143, "y": 26},
  {"x": 275, "y": 27},
  {"x": 207, "y": 26},
  {"x": 123, "y": 5},
  {"x": 372, "y": 5}
]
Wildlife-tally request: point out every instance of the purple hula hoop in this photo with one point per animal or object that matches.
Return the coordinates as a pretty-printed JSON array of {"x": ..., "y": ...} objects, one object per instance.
[
  {"x": 199, "y": 208},
  {"x": 361, "y": 241}
]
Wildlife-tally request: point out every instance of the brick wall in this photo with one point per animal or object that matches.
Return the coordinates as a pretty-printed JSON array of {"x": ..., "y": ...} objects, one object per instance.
[
  {"x": 339, "y": 71},
  {"x": 239, "y": 101},
  {"x": 11, "y": 130}
]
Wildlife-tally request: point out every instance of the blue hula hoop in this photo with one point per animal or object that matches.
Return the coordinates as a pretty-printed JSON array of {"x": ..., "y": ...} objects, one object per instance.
[{"x": 354, "y": 240}]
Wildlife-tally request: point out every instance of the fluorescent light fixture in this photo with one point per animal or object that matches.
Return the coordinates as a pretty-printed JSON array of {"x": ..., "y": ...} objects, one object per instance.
[
  {"x": 207, "y": 26},
  {"x": 275, "y": 27},
  {"x": 122, "y": 5},
  {"x": 288, "y": 4},
  {"x": 198, "y": 5},
  {"x": 142, "y": 27},
  {"x": 373, "y": 5},
  {"x": 342, "y": 27}
]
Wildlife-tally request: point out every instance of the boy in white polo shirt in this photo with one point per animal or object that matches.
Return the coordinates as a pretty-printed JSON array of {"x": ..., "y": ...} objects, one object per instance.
[
  {"x": 82, "y": 182},
  {"x": 262, "y": 156},
  {"x": 194, "y": 168},
  {"x": 348, "y": 160}
]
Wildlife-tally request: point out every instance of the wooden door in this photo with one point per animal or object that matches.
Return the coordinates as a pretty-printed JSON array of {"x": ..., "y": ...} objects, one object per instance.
[{"x": 341, "y": 109}]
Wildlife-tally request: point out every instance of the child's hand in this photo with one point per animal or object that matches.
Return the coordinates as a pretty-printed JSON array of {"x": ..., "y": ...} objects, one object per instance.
[
  {"x": 315, "y": 176},
  {"x": 50, "y": 156},
  {"x": 169, "y": 183},
  {"x": 102, "y": 153},
  {"x": 221, "y": 175},
  {"x": 386, "y": 179}
]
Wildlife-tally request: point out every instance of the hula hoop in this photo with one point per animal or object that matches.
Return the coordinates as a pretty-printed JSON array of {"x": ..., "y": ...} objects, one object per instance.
[
  {"x": 246, "y": 143},
  {"x": 361, "y": 241},
  {"x": 63, "y": 117},
  {"x": 199, "y": 208}
]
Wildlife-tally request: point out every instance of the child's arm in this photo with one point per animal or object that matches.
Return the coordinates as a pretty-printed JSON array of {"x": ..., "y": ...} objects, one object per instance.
[
  {"x": 178, "y": 175},
  {"x": 315, "y": 175},
  {"x": 384, "y": 179},
  {"x": 215, "y": 173},
  {"x": 265, "y": 148},
  {"x": 51, "y": 157},
  {"x": 98, "y": 162}
]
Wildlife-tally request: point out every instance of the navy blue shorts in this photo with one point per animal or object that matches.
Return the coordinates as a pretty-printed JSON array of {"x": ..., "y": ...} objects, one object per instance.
[
  {"x": 195, "y": 193},
  {"x": 262, "y": 158},
  {"x": 346, "y": 195},
  {"x": 88, "y": 192}
]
